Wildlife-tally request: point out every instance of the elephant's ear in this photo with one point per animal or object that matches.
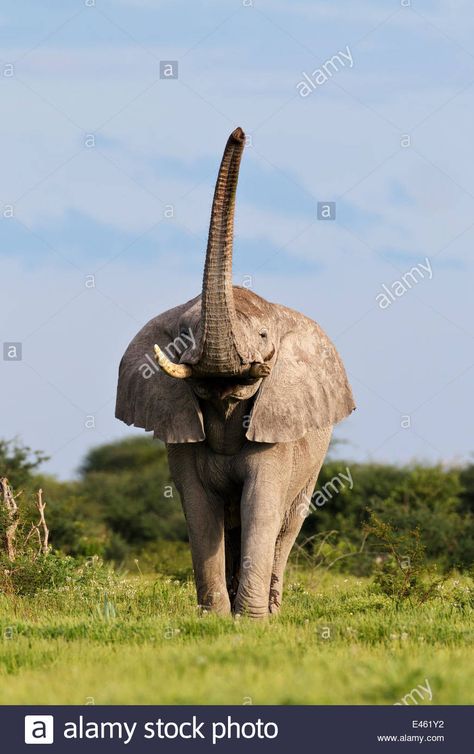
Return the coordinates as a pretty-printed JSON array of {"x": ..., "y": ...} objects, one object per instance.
[
  {"x": 306, "y": 389},
  {"x": 149, "y": 398}
]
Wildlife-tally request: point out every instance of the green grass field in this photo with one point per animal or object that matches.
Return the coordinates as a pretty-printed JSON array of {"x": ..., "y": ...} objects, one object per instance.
[{"x": 143, "y": 641}]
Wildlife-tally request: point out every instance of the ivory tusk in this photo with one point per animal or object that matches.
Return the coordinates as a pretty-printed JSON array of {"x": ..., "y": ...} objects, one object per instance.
[
  {"x": 270, "y": 355},
  {"x": 180, "y": 371}
]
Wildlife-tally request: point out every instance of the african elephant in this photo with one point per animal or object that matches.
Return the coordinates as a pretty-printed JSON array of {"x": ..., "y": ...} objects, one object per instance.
[{"x": 245, "y": 397}]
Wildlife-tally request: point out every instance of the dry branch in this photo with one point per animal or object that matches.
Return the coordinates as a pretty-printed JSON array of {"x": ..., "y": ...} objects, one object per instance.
[
  {"x": 42, "y": 522},
  {"x": 11, "y": 510},
  {"x": 40, "y": 529}
]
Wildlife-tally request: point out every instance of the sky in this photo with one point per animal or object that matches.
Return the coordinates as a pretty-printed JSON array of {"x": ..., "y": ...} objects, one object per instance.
[{"x": 96, "y": 148}]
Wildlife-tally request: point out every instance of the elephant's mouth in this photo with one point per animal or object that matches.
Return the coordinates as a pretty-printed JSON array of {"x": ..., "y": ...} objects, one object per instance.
[
  {"x": 247, "y": 374},
  {"x": 222, "y": 388}
]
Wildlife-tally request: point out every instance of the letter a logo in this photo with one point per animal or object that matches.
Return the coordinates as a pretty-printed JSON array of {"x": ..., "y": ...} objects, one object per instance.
[{"x": 39, "y": 729}]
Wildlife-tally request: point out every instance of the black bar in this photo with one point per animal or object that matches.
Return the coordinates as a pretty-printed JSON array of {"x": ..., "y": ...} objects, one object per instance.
[{"x": 240, "y": 729}]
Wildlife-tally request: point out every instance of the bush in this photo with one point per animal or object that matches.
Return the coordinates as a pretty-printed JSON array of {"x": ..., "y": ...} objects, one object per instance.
[
  {"x": 401, "y": 572},
  {"x": 427, "y": 499},
  {"x": 75, "y": 520},
  {"x": 51, "y": 571},
  {"x": 131, "y": 454},
  {"x": 166, "y": 558},
  {"x": 27, "y": 564},
  {"x": 17, "y": 462},
  {"x": 129, "y": 483},
  {"x": 123, "y": 501}
]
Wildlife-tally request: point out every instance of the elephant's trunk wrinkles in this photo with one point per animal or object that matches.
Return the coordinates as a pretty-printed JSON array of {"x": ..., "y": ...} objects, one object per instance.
[{"x": 219, "y": 351}]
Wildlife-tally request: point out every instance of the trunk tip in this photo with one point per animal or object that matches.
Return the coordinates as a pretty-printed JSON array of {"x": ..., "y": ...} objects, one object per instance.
[{"x": 238, "y": 134}]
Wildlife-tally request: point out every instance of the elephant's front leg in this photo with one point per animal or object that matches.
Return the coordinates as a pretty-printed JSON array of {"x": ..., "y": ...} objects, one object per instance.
[
  {"x": 261, "y": 513},
  {"x": 206, "y": 536},
  {"x": 205, "y": 522}
]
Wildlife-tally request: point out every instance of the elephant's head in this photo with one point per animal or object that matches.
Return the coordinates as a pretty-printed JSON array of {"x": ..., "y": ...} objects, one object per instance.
[{"x": 230, "y": 344}]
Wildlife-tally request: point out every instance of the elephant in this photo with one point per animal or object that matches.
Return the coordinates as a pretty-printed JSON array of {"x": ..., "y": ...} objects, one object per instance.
[{"x": 244, "y": 393}]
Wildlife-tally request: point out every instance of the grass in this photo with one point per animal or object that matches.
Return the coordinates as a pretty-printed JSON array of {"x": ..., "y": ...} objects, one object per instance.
[{"x": 141, "y": 640}]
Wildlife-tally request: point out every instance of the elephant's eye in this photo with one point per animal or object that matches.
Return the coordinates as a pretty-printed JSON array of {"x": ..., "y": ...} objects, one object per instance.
[{"x": 263, "y": 333}]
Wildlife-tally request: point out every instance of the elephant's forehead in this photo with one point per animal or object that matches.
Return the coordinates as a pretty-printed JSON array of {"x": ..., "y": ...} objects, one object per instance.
[{"x": 247, "y": 303}]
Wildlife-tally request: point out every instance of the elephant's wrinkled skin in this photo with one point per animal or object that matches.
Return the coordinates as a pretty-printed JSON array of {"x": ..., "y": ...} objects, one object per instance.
[{"x": 245, "y": 399}]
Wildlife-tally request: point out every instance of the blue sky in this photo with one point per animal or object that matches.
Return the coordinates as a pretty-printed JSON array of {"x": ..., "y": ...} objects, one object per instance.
[{"x": 81, "y": 70}]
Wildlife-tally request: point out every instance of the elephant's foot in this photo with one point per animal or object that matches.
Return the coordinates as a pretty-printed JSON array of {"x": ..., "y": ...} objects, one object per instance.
[
  {"x": 250, "y": 608},
  {"x": 222, "y": 610},
  {"x": 253, "y": 596},
  {"x": 253, "y": 610},
  {"x": 255, "y": 614},
  {"x": 214, "y": 601}
]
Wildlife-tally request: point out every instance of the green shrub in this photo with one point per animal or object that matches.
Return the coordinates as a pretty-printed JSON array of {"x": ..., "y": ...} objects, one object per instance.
[
  {"x": 431, "y": 500},
  {"x": 18, "y": 462},
  {"x": 402, "y": 571},
  {"x": 166, "y": 558},
  {"x": 27, "y": 563},
  {"x": 30, "y": 574}
]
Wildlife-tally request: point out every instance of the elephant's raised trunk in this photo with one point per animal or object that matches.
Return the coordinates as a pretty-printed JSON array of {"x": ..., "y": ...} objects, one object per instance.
[{"x": 219, "y": 347}]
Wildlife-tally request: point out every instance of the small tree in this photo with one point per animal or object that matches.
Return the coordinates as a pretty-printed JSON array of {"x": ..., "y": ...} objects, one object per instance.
[{"x": 18, "y": 462}]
